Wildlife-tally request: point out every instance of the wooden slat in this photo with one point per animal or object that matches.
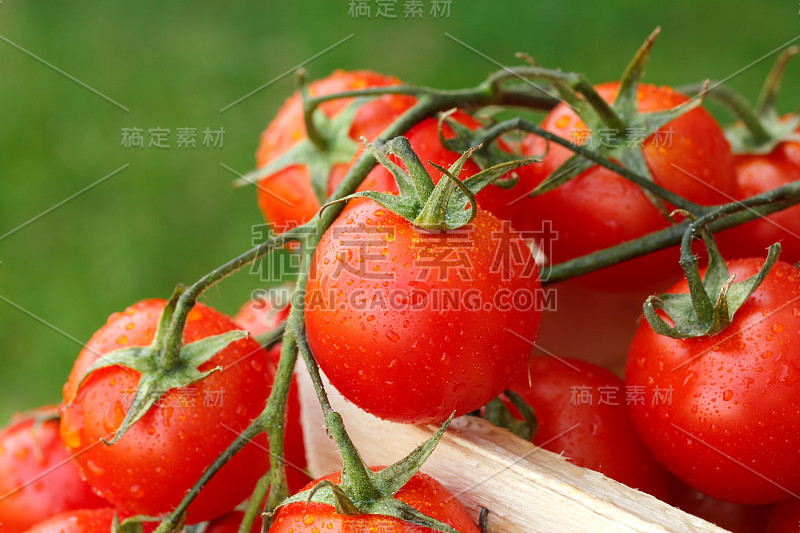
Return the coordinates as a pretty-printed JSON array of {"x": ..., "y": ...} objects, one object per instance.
[{"x": 526, "y": 489}]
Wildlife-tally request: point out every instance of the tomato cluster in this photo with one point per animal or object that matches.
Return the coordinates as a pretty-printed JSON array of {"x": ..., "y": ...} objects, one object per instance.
[{"x": 423, "y": 299}]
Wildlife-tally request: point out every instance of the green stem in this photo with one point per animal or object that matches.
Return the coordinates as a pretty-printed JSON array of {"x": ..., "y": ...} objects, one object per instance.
[
  {"x": 308, "y": 111},
  {"x": 521, "y": 124},
  {"x": 255, "y": 504},
  {"x": 271, "y": 338},
  {"x": 355, "y": 474},
  {"x": 174, "y": 518},
  {"x": 733, "y": 214},
  {"x": 174, "y": 338},
  {"x": 735, "y": 103}
]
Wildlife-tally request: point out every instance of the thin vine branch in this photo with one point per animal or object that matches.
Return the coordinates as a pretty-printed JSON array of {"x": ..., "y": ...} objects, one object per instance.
[{"x": 521, "y": 124}]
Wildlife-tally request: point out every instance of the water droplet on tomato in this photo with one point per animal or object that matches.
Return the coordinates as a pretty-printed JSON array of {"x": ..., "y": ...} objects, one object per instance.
[
  {"x": 392, "y": 336},
  {"x": 727, "y": 395},
  {"x": 137, "y": 491},
  {"x": 308, "y": 519},
  {"x": 95, "y": 468}
]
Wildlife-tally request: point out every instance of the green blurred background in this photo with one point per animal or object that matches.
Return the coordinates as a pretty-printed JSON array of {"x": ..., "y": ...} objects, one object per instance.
[{"x": 172, "y": 215}]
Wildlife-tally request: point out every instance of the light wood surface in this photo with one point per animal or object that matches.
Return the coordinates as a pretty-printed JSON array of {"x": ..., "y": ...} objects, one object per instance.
[{"x": 525, "y": 488}]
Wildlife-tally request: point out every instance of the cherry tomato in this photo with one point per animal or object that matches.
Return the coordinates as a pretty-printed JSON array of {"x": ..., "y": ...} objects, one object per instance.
[
  {"x": 286, "y": 198},
  {"x": 510, "y": 204},
  {"x": 422, "y": 492},
  {"x": 81, "y": 521},
  {"x": 258, "y": 317},
  {"x": 412, "y": 325},
  {"x": 757, "y": 174},
  {"x": 734, "y": 517},
  {"x": 581, "y": 412},
  {"x": 599, "y": 208},
  {"x": 723, "y": 412},
  {"x": 38, "y": 480},
  {"x": 149, "y": 470}
]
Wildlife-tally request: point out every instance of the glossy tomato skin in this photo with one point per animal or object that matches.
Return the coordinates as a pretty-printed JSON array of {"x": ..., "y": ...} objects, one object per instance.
[
  {"x": 35, "y": 467},
  {"x": 582, "y": 414},
  {"x": 785, "y": 517},
  {"x": 733, "y": 517},
  {"x": 80, "y": 521},
  {"x": 409, "y": 338},
  {"x": 286, "y": 198},
  {"x": 599, "y": 208},
  {"x": 258, "y": 317},
  {"x": 757, "y": 174},
  {"x": 422, "y": 492},
  {"x": 148, "y": 471},
  {"x": 510, "y": 204},
  {"x": 732, "y": 397}
]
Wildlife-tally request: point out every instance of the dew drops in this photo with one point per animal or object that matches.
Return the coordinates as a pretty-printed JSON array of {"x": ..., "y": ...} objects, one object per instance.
[{"x": 727, "y": 395}]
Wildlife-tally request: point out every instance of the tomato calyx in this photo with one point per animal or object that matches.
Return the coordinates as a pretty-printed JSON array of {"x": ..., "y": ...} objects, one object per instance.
[
  {"x": 327, "y": 143},
  {"x": 498, "y": 413},
  {"x": 486, "y": 155},
  {"x": 448, "y": 205},
  {"x": 134, "y": 524},
  {"x": 709, "y": 306},
  {"x": 618, "y": 124},
  {"x": 363, "y": 491},
  {"x": 760, "y": 128},
  {"x": 156, "y": 376}
]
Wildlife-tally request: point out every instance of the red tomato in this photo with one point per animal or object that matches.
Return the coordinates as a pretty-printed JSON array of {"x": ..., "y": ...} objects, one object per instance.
[
  {"x": 422, "y": 492},
  {"x": 581, "y": 412},
  {"x": 757, "y": 174},
  {"x": 785, "y": 517},
  {"x": 733, "y": 517},
  {"x": 506, "y": 204},
  {"x": 599, "y": 208},
  {"x": 412, "y": 325},
  {"x": 81, "y": 521},
  {"x": 727, "y": 419},
  {"x": 37, "y": 479},
  {"x": 286, "y": 198},
  {"x": 148, "y": 471},
  {"x": 258, "y": 317},
  {"x": 230, "y": 523}
]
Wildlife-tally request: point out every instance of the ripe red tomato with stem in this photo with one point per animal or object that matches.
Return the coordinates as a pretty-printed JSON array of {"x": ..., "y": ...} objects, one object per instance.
[
  {"x": 291, "y": 194},
  {"x": 38, "y": 480},
  {"x": 731, "y": 427},
  {"x": 652, "y": 131},
  {"x": 759, "y": 173},
  {"x": 400, "y": 333},
  {"x": 599, "y": 208},
  {"x": 767, "y": 148},
  {"x": 260, "y": 318},
  {"x": 422, "y": 492},
  {"x": 160, "y": 457},
  {"x": 581, "y": 413}
]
